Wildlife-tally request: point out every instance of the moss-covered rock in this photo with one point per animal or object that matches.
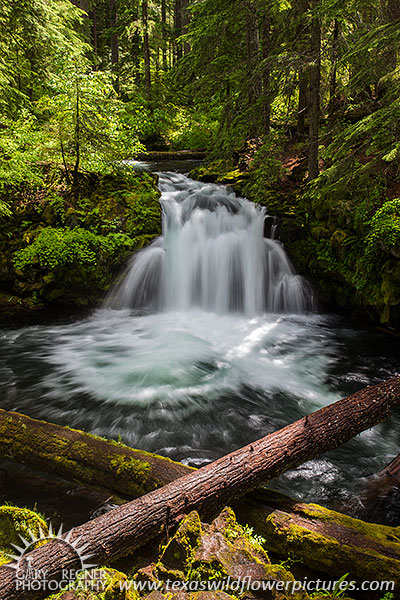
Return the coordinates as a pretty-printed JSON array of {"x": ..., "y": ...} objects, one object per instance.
[
  {"x": 326, "y": 541},
  {"x": 64, "y": 248},
  {"x": 98, "y": 584},
  {"x": 345, "y": 239},
  {"x": 180, "y": 550},
  {"x": 222, "y": 552},
  {"x": 16, "y": 522}
]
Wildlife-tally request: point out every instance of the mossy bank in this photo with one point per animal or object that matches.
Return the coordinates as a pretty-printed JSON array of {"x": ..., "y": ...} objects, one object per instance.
[
  {"x": 62, "y": 247},
  {"x": 341, "y": 233}
]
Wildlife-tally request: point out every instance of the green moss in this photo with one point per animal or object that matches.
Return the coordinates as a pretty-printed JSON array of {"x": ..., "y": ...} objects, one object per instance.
[
  {"x": 137, "y": 469},
  {"x": 376, "y": 532},
  {"x": 384, "y": 229},
  {"x": 212, "y": 172},
  {"x": 113, "y": 588},
  {"x": 208, "y": 571},
  {"x": 323, "y": 552},
  {"x": 337, "y": 242},
  {"x": 15, "y": 522},
  {"x": 102, "y": 583},
  {"x": 180, "y": 550},
  {"x": 61, "y": 249}
]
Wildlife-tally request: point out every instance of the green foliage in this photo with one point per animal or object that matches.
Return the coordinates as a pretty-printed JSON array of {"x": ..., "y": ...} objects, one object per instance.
[
  {"x": 20, "y": 151},
  {"x": 86, "y": 121},
  {"x": 265, "y": 160},
  {"x": 4, "y": 209},
  {"x": 265, "y": 173},
  {"x": 385, "y": 228},
  {"x": 34, "y": 35},
  {"x": 252, "y": 537},
  {"x": 55, "y": 248},
  {"x": 191, "y": 130}
]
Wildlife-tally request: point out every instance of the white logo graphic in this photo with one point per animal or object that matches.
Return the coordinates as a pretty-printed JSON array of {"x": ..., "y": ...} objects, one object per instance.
[{"x": 24, "y": 565}]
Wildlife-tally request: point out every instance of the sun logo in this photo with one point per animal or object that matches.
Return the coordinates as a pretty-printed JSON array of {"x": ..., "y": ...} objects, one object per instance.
[{"x": 23, "y": 562}]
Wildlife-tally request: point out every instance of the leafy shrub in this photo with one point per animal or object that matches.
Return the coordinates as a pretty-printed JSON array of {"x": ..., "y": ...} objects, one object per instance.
[
  {"x": 385, "y": 227},
  {"x": 54, "y": 248}
]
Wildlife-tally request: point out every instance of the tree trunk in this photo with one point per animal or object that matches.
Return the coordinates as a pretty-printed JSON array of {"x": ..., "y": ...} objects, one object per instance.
[
  {"x": 253, "y": 53},
  {"x": 146, "y": 48},
  {"x": 128, "y": 527},
  {"x": 333, "y": 76},
  {"x": 178, "y": 29},
  {"x": 185, "y": 23},
  {"x": 114, "y": 43},
  {"x": 164, "y": 34},
  {"x": 322, "y": 539},
  {"x": 392, "y": 471},
  {"x": 302, "y": 41},
  {"x": 266, "y": 49},
  {"x": 79, "y": 456},
  {"x": 75, "y": 176},
  {"x": 303, "y": 104},
  {"x": 66, "y": 171},
  {"x": 391, "y": 14},
  {"x": 315, "y": 84},
  {"x": 94, "y": 34}
]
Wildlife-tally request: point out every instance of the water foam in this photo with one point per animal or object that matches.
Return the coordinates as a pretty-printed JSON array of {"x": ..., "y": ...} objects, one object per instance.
[{"x": 212, "y": 256}]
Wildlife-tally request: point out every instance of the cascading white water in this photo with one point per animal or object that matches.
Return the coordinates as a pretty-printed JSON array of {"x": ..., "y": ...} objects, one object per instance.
[
  {"x": 196, "y": 384},
  {"x": 213, "y": 256}
]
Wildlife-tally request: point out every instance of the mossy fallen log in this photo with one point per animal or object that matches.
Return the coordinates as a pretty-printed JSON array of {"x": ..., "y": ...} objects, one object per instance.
[
  {"x": 128, "y": 527},
  {"x": 323, "y": 540},
  {"x": 85, "y": 458},
  {"x": 173, "y": 155}
]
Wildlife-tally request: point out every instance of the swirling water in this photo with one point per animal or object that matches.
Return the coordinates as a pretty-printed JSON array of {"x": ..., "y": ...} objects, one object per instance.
[{"x": 207, "y": 344}]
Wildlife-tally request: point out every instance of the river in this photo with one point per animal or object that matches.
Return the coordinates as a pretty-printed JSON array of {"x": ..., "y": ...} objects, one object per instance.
[{"x": 209, "y": 342}]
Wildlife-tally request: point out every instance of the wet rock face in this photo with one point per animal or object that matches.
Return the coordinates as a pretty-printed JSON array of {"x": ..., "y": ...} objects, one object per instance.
[{"x": 59, "y": 248}]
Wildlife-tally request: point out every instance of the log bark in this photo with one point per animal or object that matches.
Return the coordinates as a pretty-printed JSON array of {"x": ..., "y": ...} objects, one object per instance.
[
  {"x": 79, "y": 456},
  {"x": 173, "y": 155},
  {"x": 128, "y": 527},
  {"x": 392, "y": 471},
  {"x": 324, "y": 540},
  {"x": 379, "y": 486}
]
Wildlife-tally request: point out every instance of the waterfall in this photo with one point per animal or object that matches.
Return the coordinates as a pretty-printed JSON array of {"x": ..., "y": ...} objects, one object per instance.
[{"x": 213, "y": 256}]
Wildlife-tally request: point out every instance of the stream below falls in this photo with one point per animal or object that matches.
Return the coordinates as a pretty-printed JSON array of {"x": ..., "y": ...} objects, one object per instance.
[{"x": 208, "y": 342}]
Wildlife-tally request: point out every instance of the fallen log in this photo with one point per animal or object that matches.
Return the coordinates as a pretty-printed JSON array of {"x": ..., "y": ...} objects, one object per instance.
[
  {"x": 126, "y": 528},
  {"x": 379, "y": 486},
  {"x": 323, "y": 540},
  {"x": 79, "y": 456},
  {"x": 391, "y": 472},
  {"x": 173, "y": 155}
]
